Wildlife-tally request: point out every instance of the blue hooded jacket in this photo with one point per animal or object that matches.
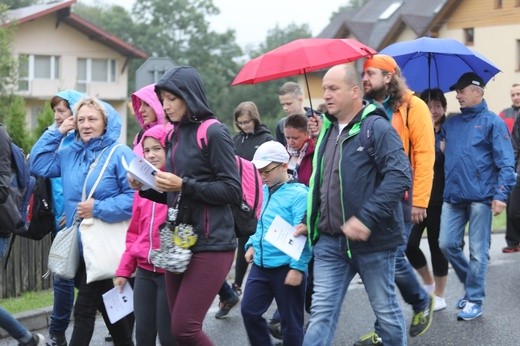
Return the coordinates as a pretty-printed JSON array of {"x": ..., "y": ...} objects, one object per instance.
[
  {"x": 72, "y": 97},
  {"x": 113, "y": 196},
  {"x": 479, "y": 161}
]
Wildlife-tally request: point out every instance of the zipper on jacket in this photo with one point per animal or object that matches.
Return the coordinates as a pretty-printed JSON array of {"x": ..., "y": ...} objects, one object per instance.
[
  {"x": 262, "y": 235},
  {"x": 150, "y": 236}
]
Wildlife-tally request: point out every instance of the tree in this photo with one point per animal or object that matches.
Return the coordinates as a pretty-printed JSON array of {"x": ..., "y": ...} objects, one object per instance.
[
  {"x": 44, "y": 118},
  {"x": 15, "y": 122},
  {"x": 14, "y": 4},
  {"x": 8, "y": 65}
]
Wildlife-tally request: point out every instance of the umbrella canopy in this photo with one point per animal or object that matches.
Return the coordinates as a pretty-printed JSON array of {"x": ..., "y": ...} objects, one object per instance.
[
  {"x": 438, "y": 62},
  {"x": 301, "y": 56}
]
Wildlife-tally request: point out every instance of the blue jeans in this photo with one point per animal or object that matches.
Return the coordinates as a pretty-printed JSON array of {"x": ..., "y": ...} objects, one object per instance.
[
  {"x": 15, "y": 329},
  {"x": 332, "y": 275},
  {"x": 63, "y": 303},
  {"x": 471, "y": 273},
  {"x": 406, "y": 280}
]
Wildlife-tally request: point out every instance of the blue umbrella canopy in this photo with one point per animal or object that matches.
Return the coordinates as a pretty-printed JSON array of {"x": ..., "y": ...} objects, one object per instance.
[{"x": 438, "y": 62}]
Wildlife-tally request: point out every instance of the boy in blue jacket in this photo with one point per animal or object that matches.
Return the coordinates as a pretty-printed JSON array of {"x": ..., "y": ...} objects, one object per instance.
[{"x": 273, "y": 273}]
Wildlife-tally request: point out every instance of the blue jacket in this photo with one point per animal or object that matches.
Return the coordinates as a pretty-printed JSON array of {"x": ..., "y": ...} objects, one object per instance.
[
  {"x": 72, "y": 98},
  {"x": 113, "y": 196},
  {"x": 289, "y": 201},
  {"x": 370, "y": 188},
  {"x": 479, "y": 160}
]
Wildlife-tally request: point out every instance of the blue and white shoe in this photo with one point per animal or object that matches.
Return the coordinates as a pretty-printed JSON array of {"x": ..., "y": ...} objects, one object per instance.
[
  {"x": 470, "y": 312},
  {"x": 461, "y": 303}
]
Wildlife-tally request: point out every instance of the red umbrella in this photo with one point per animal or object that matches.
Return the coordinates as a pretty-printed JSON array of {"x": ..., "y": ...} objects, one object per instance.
[{"x": 301, "y": 56}]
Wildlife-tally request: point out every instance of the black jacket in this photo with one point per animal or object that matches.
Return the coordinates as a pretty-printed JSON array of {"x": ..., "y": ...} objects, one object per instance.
[{"x": 246, "y": 144}]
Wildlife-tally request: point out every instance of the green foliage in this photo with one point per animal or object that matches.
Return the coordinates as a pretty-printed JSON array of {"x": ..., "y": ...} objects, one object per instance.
[
  {"x": 14, "y": 4},
  {"x": 14, "y": 121},
  {"x": 7, "y": 63},
  {"x": 28, "y": 301},
  {"x": 44, "y": 119}
]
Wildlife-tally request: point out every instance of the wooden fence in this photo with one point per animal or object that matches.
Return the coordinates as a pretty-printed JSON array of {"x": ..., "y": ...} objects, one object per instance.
[{"x": 25, "y": 268}]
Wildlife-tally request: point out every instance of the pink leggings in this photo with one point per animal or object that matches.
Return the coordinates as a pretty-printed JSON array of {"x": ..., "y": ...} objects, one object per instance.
[{"x": 191, "y": 294}]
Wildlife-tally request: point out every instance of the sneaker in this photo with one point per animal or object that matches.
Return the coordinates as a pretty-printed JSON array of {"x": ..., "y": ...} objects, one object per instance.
[
  {"x": 369, "y": 339},
  {"x": 226, "y": 306},
  {"x": 57, "y": 340},
  {"x": 429, "y": 288},
  {"x": 470, "y": 312},
  {"x": 461, "y": 303},
  {"x": 422, "y": 320},
  {"x": 440, "y": 303},
  {"x": 237, "y": 289},
  {"x": 275, "y": 329},
  {"x": 36, "y": 340},
  {"x": 511, "y": 248}
]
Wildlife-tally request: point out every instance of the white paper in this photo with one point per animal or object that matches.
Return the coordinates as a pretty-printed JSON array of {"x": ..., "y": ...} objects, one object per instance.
[
  {"x": 142, "y": 171},
  {"x": 280, "y": 235},
  {"x": 119, "y": 304}
]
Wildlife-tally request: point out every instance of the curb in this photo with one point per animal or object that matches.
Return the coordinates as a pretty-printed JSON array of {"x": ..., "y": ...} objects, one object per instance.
[{"x": 32, "y": 319}]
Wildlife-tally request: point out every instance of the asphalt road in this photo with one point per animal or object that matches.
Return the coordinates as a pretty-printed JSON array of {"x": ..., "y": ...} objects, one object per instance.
[{"x": 497, "y": 326}]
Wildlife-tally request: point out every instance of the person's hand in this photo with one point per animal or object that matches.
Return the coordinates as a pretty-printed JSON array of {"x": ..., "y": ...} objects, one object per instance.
[
  {"x": 497, "y": 206},
  {"x": 250, "y": 254},
  {"x": 293, "y": 278},
  {"x": 355, "y": 230},
  {"x": 120, "y": 283},
  {"x": 67, "y": 125},
  {"x": 418, "y": 214},
  {"x": 167, "y": 181},
  {"x": 314, "y": 125},
  {"x": 85, "y": 208},
  {"x": 301, "y": 229},
  {"x": 134, "y": 184}
]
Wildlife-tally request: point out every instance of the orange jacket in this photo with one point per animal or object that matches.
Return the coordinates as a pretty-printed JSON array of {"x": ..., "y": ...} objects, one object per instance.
[{"x": 420, "y": 137}]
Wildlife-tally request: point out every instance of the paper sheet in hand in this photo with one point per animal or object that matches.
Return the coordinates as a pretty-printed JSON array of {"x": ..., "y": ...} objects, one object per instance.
[
  {"x": 142, "y": 171},
  {"x": 119, "y": 304},
  {"x": 280, "y": 235}
]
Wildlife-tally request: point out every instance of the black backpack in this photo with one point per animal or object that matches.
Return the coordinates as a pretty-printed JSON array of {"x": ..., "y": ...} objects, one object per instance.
[{"x": 41, "y": 218}]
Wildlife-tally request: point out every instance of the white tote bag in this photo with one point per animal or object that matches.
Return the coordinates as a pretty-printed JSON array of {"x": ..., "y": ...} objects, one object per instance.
[
  {"x": 103, "y": 242},
  {"x": 64, "y": 253}
]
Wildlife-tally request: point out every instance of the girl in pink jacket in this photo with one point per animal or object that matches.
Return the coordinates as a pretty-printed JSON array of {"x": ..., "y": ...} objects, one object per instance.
[{"x": 150, "y": 303}]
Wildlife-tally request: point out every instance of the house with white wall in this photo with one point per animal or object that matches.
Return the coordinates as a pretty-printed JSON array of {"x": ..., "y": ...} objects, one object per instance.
[{"x": 58, "y": 50}]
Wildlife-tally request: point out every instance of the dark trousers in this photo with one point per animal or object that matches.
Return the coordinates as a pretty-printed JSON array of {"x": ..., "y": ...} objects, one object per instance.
[
  {"x": 413, "y": 250},
  {"x": 513, "y": 217},
  {"x": 262, "y": 286},
  {"x": 88, "y": 302}
]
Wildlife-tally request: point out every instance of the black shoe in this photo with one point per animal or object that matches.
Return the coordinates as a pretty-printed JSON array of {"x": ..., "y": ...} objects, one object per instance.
[
  {"x": 57, "y": 340},
  {"x": 275, "y": 329},
  {"x": 226, "y": 306}
]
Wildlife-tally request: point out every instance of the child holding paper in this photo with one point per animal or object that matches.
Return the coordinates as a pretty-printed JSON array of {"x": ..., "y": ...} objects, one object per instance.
[
  {"x": 275, "y": 274},
  {"x": 150, "y": 303}
]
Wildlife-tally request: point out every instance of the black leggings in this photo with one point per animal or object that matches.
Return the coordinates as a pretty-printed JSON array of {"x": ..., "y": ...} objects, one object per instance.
[{"x": 413, "y": 251}]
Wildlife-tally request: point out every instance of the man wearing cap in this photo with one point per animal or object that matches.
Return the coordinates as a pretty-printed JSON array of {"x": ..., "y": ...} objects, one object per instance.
[
  {"x": 354, "y": 217},
  {"x": 274, "y": 274},
  {"x": 410, "y": 116},
  {"x": 479, "y": 171}
]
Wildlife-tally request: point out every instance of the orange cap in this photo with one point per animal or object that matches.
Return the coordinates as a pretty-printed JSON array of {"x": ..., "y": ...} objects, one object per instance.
[{"x": 381, "y": 61}]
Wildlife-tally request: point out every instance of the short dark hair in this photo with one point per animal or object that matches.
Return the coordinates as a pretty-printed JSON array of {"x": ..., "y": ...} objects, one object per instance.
[
  {"x": 297, "y": 121},
  {"x": 55, "y": 100},
  {"x": 290, "y": 88},
  {"x": 434, "y": 94}
]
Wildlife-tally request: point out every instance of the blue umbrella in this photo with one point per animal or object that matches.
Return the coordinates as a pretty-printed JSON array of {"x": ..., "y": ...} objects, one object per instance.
[{"x": 438, "y": 62}]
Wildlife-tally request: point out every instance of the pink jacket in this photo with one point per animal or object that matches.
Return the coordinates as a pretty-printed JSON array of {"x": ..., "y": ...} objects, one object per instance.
[
  {"x": 142, "y": 236},
  {"x": 148, "y": 95}
]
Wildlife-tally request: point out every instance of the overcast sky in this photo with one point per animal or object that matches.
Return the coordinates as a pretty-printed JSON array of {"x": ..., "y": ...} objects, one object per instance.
[{"x": 251, "y": 19}]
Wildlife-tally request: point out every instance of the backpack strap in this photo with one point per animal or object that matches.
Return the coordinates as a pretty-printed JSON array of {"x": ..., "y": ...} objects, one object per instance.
[
  {"x": 366, "y": 132},
  {"x": 202, "y": 133}
]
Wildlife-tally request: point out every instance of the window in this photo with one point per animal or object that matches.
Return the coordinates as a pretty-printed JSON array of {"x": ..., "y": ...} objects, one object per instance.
[
  {"x": 517, "y": 3},
  {"x": 517, "y": 55},
  {"x": 469, "y": 36},
  {"x": 95, "y": 70},
  {"x": 498, "y": 4},
  {"x": 32, "y": 67},
  {"x": 394, "y": 6}
]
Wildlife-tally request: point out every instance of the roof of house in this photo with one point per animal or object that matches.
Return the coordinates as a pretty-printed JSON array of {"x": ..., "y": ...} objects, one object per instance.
[
  {"x": 378, "y": 22},
  {"x": 63, "y": 13}
]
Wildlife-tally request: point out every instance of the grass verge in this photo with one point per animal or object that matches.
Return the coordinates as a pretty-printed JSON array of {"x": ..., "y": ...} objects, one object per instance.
[{"x": 28, "y": 301}]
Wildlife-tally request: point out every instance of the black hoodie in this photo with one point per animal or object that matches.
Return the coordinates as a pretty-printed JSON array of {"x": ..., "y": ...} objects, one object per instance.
[{"x": 210, "y": 181}]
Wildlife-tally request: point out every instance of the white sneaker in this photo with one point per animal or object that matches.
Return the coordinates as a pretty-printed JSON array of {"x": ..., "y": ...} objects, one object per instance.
[
  {"x": 429, "y": 288},
  {"x": 439, "y": 304}
]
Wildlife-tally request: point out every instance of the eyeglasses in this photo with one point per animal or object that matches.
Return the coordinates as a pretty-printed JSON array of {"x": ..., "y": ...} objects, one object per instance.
[
  {"x": 268, "y": 171},
  {"x": 242, "y": 123}
]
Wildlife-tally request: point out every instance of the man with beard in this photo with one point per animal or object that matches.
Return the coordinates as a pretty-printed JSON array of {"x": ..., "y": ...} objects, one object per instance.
[{"x": 410, "y": 116}]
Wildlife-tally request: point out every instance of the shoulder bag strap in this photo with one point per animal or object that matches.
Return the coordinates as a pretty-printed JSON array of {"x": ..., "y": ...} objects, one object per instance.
[{"x": 100, "y": 173}]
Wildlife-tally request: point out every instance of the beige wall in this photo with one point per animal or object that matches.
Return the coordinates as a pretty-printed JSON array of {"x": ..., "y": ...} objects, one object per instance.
[{"x": 42, "y": 37}]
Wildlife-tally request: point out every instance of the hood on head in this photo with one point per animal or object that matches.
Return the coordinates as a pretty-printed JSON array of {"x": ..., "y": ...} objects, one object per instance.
[
  {"x": 148, "y": 95},
  {"x": 186, "y": 83},
  {"x": 159, "y": 132},
  {"x": 72, "y": 97}
]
